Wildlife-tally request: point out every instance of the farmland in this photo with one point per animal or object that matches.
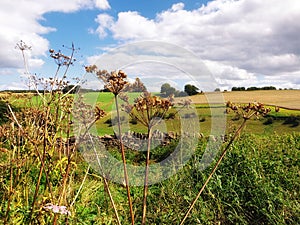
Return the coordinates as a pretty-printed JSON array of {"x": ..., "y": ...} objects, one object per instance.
[
  {"x": 256, "y": 183},
  {"x": 284, "y": 121},
  {"x": 284, "y": 98}
]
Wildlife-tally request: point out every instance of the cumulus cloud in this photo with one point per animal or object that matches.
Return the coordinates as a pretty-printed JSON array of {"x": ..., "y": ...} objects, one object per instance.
[
  {"x": 102, "y": 4},
  {"x": 104, "y": 21},
  {"x": 177, "y": 7},
  {"x": 21, "y": 20},
  {"x": 246, "y": 39}
]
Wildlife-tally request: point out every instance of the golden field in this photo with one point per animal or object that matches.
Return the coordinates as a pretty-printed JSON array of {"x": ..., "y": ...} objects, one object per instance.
[{"x": 282, "y": 98}]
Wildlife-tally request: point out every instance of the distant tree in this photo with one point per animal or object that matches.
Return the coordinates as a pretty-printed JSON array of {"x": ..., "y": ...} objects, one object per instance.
[
  {"x": 217, "y": 90},
  {"x": 268, "y": 88},
  {"x": 167, "y": 90},
  {"x": 252, "y": 89},
  {"x": 181, "y": 94},
  {"x": 138, "y": 86},
  {"x": 238, "y": 89},
  {"x": 261, "y": 88},
  {"x": 191, "y": 89},
  {"x": 71, "y": 89}
]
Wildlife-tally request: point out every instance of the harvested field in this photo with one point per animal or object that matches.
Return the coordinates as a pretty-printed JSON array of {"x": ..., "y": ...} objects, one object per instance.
[{"x": 283, "y": 98}]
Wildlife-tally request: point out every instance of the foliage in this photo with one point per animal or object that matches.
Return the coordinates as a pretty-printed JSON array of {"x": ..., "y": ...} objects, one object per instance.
[
  {"x": 238, "y": 89},
  {"x": 253, "y": 88},
  {"x": 191, "y": 89},
  {"x": 71, "y": 89},
  {"x": 4, "y": 114},
  {"x": 260, "y": 88},
  {"x": 167, "y": 90}
]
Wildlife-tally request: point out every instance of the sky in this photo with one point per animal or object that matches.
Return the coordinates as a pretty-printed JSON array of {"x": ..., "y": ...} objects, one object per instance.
[{"x": 241, "y": 42}]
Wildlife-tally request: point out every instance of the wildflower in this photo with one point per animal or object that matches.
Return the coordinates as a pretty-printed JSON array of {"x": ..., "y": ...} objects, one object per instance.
[
  {"x": 61, "y": 59},
  {"x": 99, "y": 113},
  {"x": 249, "y": 110},
  {"x": 23, "y": 46},
  {"x": 57, "y": 209},
  {"x": 113, "y": 81},
  {"x": 85, "y": 113},
  {"x": 147, "y": 107}
]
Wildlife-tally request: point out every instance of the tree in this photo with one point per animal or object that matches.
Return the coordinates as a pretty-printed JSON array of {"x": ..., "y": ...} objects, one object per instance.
[
  {"x": 238, "y": 89},
  {"x": 191, "y": 89},
  {"x": 167, "y": 90},
  {"x": 70, "y": 88},
  {"x": 138, "y": 86}
]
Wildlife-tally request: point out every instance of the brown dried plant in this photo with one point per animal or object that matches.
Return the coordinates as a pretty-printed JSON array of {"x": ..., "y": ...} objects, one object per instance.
[
  {"x": 36, "y": 134},
  {"x": 116, "y": 82},
  {"x": 149, "y": 110}
]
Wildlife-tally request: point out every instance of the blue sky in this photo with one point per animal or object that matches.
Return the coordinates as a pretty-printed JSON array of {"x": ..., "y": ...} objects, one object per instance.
[
  {"x": 74, "y": 27},
  {"x": 242, "y": 42}
]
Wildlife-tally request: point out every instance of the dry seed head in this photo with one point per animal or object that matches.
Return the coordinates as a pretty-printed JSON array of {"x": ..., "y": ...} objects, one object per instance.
[
  {"x": 148, "y": 107},
  {"x": 23, "y": 46},
  {"x": 123, "y": 97},
  {"x": 99, "y": 113},
  {"x": 250, "y": 109}
]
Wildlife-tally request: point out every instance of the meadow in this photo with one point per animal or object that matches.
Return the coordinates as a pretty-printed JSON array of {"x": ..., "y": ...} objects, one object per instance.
[
  {"x": 256, "y": 183},
  {"x": 286, "y": 120}
]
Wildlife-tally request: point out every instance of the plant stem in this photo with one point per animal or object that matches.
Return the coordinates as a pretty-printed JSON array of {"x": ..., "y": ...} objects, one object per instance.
[
  {"x": 111, "y": 199},
  {"x": 238, "y": 131},
  {"x": 41, "y": 167},
  {"x": 10, "y": 189},
  {"x": 81, "y": 185},
  {"x": 124, "y": 162},
  {"x": 146, "y": 178}
]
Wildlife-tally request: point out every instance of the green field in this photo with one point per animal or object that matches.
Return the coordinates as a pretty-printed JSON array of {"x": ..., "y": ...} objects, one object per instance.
[{"x": 284, "y": 121}]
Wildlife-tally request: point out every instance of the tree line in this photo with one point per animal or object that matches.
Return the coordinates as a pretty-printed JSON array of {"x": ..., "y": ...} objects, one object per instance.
[
  {"x": 253, "y": 88},
  {"x": 167, "y": 90}
]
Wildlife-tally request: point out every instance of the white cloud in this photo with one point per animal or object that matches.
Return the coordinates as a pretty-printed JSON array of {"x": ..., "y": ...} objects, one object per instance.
[
  {"x": 250, "y": 38},
  {"x": 105, "y": 21},
  {"x": 178, "y": 6},
  {"x": 13, "y": 86},
  {"x": 20, "y": 20},
  {"x": 102, "y": 4},
  {"x": 135, "y": 26}
]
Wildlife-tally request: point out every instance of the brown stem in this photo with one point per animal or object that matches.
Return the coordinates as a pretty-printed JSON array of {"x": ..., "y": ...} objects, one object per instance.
[
  {"x": 9, "y": 193},
  {"x": 238, "y": 131},
  {"x": 124, "y": 162},
  {"x": 146, "y": 178},
  {"x": 111, "y": 199},
  {"x": 41, "y": 169}
]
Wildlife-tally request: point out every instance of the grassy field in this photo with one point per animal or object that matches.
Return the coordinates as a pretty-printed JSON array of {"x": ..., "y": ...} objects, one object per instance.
[
  {"x": 284, "y": 121},
  {"x": 257, "y": 183}
]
